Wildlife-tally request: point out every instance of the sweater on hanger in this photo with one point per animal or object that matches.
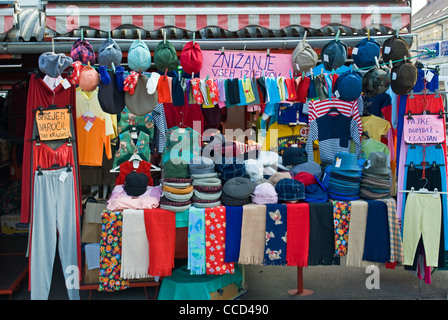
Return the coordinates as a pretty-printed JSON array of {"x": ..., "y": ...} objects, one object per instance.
[{"x": 91, "y": 139}]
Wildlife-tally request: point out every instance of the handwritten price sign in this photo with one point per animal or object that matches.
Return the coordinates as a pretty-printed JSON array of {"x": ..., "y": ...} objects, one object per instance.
[
  {"x": 53, "y": 124},
  {"x": 424, "y": 129},
  {"x": 237, "y": 64}
]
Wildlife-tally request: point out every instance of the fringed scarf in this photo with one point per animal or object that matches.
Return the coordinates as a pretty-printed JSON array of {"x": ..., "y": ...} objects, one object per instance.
[
  {"x": 275, "y": 244},
  {"x": 196, "y": 241},
  {"x": 160, "y": 227},
  {"x": 341, "y": 218},
  {"x": 215, "y": 242},
  {"x": 298, "y": 228},
  {"x": 135, "y": 247},
  {"x": 357, "y": 233},
  {"x": 234, "y": 219},
  {"x": 253, "y": 230},
  {"x": 321, "y": 250},
  {"x": 110, "y": 252}
]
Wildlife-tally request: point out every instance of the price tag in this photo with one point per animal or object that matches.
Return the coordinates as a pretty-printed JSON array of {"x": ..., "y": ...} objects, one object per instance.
[
  {"x": 355, "y": 50},
  {"x": 134, "y": 135},
  {"x": 181, "y": 130},
  {"x": 88, "y": 126},
  {"x": 394, "y": 76},
  {"x": 338, "y": 162},
  {"x": 65, "y": 84},
  {"x": 326, "y": 59},
  {"x": 429, "y": 75},
  {"x": 336, "y": 93},
  {"x": 386, "y": 50},
  {"x": 63, "y": 176}
]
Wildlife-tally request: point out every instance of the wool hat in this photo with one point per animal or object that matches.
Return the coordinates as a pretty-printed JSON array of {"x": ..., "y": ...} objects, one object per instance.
[
  {"x": 290, "y": 190},
  {"x": 140, "y": 102},
  {"x": 345, "y": 161},
  {"x": 53, "y": 64},
  {"x": 264, "y": 193},
  {"x": 238, "y": 188},
  {"x": 365, "y": 51},
  {"x": 276, "y": 177},
  {"x": 254, "y": 169},
  {"x": 377, "y": 164},
  {"x": 165, "y": 56},
  {"x": 348, "y": 86},
  {"x": 89, "y": 79},
  {"x": 334, "y": 54},
  {"x": 177, "y": 168},
  {"x": 376, "y": 81},
  {"x": 139, "y": 56},
  {"x": 227, "y": 200},
  {"x": 230, "y": 168},
  {"x": 403, "y": 77},
  {"x": 293, "y": 156},
  {"x": 310, "y": 167},
  {"x": 268, "y": 158},
  {"x": 191, "y": 58},
  {"x": 135, "y": 184},
  {"x": 201, "y": 165},
  {"x": 108, "y": 53},
  {"x": 303, "y": 57},
  {"x": 395, "y": 48},
  {"x": 110, "y": 98},
  {"x": 83, "y": 51}
]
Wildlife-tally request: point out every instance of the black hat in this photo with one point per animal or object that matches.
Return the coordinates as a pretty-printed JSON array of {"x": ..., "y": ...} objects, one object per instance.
[{"x": 135, "y": 184}]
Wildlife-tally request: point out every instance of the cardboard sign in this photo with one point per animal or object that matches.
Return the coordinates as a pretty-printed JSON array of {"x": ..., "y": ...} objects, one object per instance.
[
  {"x": 424, "y": 129},
  {"x": 53, "y": 124},
  {"x": 237, "y": 64}
]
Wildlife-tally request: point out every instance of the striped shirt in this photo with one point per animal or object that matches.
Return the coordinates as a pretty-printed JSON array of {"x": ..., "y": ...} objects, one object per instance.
[{"x": 318, "y": 108}]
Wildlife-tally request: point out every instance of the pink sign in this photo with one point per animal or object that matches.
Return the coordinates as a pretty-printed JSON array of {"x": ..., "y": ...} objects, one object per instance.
[
  {"x": 237, "y": 64},
  {"x": 421, "y": 129}
]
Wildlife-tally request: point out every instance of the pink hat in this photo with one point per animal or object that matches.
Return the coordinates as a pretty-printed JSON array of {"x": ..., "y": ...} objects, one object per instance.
[
  {"x": 89, "y": 79},
  {"x": 264, "y": 193}
]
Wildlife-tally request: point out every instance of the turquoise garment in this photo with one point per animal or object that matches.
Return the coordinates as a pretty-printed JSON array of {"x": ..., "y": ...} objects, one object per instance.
[
  {"x": 196, "y": 241},
  {"x": 182, "y": 219},
  {"x": 127, "y": 146},
  {"x": 181, "y": 143},
  {"x": 143, "y": 123},
  {"x": 183, "y": 286}
]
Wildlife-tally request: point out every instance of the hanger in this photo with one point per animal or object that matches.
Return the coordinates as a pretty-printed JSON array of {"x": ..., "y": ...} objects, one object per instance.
[
  {"x": 181, "y": 124},
  {"x": 412, "y": 191},
  {"x": 53, "y": 167},
  {"x": 135, "y": 157},
  {"x": 89, "y": 114}
]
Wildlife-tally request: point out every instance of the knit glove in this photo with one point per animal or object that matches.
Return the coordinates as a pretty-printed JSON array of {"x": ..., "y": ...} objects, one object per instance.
[
  {"x": 104, "y": 75},
  {"x": 130, "y": 82},
  {"x": 74, "y": 77},
  {"x": 197, "y": 94},
  {"x": 119, "y": 76},
  {"x": 213, "y": 91}
]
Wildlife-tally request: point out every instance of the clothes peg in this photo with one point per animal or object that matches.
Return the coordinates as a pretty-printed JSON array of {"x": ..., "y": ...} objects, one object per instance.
[
  {"x": 368, "y": 34},
  {"x": 222, "y": 50},
  {"x": 377, "y": 62},
  {"x": 82, "y": 34},
  {"x": 164, "y": 36},
  {"x": 194, "y": 37},
  {"x": 113, "y": 67},
  {"x": 304, "y": 36},
  {"x": 337, "y": 35},
  {"x": 268, "y": 53},
  {"x": 52, "y": 45}
]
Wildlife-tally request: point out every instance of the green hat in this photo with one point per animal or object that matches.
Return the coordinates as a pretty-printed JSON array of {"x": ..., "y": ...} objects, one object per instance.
[
  {"x": 165, "y": 56},
  {"x": 177, "y": 168}
]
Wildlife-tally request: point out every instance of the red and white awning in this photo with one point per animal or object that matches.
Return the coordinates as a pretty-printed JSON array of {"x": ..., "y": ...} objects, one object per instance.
[
  {"x": 6, "y": 19},
  {"x": 64, "y": 18}
]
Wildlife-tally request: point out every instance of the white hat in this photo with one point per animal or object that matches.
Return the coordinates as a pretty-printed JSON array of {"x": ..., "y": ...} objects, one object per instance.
[{"x": 254, "y": 168}]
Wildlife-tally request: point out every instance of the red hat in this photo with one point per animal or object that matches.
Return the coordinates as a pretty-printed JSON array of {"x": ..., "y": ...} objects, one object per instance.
[
  {"x": 191, "y": 58},
  {"x": 306, "y": 178}
]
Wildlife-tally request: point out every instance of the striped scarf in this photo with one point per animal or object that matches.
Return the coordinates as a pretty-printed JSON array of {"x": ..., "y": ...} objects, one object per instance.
[{"x": 396, "y": 244}]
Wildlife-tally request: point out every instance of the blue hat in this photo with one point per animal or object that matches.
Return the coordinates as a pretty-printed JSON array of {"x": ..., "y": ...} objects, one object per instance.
[
  {"x": 315, "y": 193},
  {"x": 345, "y": 161},
  {"x": 139, "y": 57},
  {"x": 293, "y": 156},
  {"x": 334, "y": 54},
  {"x": 230, "y": 168},
  {"x": 348, "y": 86},
  {"x": 290, "y": 190},
  {"x": 365, "y": 51}
]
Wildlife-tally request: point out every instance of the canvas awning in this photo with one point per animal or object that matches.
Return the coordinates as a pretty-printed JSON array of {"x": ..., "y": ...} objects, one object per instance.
[
  {"x": 7, "y": 15},
  {"x": 64, "y": 17}
]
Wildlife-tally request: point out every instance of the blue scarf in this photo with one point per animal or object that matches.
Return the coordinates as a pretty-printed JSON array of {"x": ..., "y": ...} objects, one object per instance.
[
  {"x": 196, "y": 241},
  {"x": 275, "y": 247},
  {"x": 234, "y": 219}
]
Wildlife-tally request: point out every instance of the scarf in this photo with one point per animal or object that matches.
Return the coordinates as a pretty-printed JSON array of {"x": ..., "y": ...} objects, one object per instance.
[
  {"x": 275, "y": 244},
  {"x": 377, "y": 243},
  {"x": 135, "y": 249},
  {"x": 234, "y": 218},
  {"x": 341, "y": 219},
  {"x": 253, "y": 230},
  {"x": 161, "y": 232},
  {"x": 298, "y": 228},
  {"x": 357, "y": 233},
  {"x": 215, "y": 242},
  {"x": 396, "y": 245},
  {"x": 196, "y": 241},
  {"x": 321, "y": 234},
  {"x": 110, "y": 252}
]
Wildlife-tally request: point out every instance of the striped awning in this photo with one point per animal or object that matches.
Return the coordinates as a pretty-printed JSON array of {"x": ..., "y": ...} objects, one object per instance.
[
  {"x": 64, "y": 18},
  {"x": 7, "y": 13}
]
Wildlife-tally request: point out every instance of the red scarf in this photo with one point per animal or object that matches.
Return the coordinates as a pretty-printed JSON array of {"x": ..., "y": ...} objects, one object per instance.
[
  {"x": 298, "y": 234},
  {"x": 161, "y": 232},
  {"x": 215, "y": 240}
]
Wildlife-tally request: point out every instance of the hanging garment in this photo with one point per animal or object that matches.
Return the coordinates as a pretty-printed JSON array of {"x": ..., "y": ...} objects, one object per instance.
[
  {"x": 281, "y": 136},
  {"x": 234, "y": 219},
  {"x": 375, "y": 126},
  {"x": 341, "y": 219},
  {"x": 298, "y": 228},
  {"x": 196, "y": 241},
  {"x": 276, "y": 226},
  {"x": 127, "y": 167},
  {"x": 92, "y": 141},
  {"x": 136, "y": 142},
  {"x": 253, "y": 234},
  {"x": 396, "y": 240},
  {"x": 377, "y": 241},
  {"x": 55, "y": 221},
  {"x": 357, "y": 233},
  {"x": 39, "y": 94},
  {"x": 182, "y": 143}
]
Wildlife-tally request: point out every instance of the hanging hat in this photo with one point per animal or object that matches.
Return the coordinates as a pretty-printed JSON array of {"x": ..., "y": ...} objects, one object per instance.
[
  {"x": 53, "y": 64},
  {"x": 140, "y": 102},
  {"x": 303, "y": 57},
  {"x": 377, "y": 164},
  {"x": 376, "y": 81},
  {"x": 108, "y": 53},
  {"x": 89, "y": 79},
  {"x": 191, "y": 58},
  {"x": 395, "y": 48},
  {"x": 135, "y": 184},
  {"x": 290, "y": 190},
  {"x": 403, "y": 77},
  {"x": 334, "y": 54},
  {"x": 364, "y": 53},
  {"x": 139, "y": 57},
  {"x": 264, "y": 193},
  {"x": 165, "y": 56},
  {"x": 110, "y": 98},
  {"x": 82, "y": 51},
  {"x": 345, "y": 161},
  {"x": 293, "y": 156},
  {"x": 348, "y": 86}
]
